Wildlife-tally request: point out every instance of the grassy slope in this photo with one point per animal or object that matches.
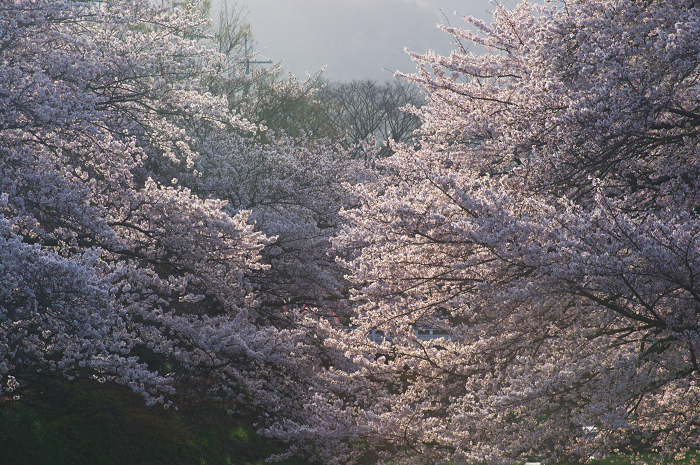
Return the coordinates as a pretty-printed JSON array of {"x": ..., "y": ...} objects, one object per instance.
[
  {"x": 95, "y": 424},
  {"x": 89, "y": 423}
]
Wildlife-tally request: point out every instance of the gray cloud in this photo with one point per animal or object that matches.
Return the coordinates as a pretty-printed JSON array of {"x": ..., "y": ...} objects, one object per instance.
[{"x": 354, "y": 38}]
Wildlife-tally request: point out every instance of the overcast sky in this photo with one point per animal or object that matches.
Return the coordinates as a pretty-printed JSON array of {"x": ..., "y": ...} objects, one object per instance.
[{"x": 354, "y": 39}]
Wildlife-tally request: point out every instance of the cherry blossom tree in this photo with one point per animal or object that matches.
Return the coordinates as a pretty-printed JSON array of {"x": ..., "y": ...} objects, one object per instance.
[
  {"x": 288, "y": 171},
  {"x": 549, "y": 222},
  {"x": 294, "y": 191},
  {"x": 99, "y": 256},
  {"x": 122, "y": 257}
]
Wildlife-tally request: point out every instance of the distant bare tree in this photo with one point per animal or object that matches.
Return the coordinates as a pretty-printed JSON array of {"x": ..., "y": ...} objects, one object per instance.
[
  {"x": 365, "y": 109},
  {"x": 232, "y": 32},
  {"x": 399, "y": 123}
]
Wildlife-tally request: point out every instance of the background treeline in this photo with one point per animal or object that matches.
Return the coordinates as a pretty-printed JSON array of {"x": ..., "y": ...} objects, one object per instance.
[{"x": 347, "y": 112}]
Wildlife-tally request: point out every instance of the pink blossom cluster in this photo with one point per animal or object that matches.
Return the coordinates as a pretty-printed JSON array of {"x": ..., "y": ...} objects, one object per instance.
[
  {"x": 546, "y": 222},
  {"x": 135, "y": 207}
]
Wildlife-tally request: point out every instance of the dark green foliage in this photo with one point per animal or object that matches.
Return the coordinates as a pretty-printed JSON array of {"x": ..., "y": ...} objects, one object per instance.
[{"x": 106, "y": 425}]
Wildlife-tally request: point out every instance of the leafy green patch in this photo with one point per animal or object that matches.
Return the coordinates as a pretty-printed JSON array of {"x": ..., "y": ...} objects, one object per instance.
[{"x": 90, "y": 423}]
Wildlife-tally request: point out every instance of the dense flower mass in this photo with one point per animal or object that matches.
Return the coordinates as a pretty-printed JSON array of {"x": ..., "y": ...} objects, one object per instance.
[
  {"x": 546, "y": 224},
  {"x": 549, "y": 222},
  {"x": 127, "y": 252}
]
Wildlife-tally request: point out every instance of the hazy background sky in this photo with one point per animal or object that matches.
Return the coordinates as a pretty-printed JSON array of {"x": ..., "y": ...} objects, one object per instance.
[{"x": 354, "y": 39}]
